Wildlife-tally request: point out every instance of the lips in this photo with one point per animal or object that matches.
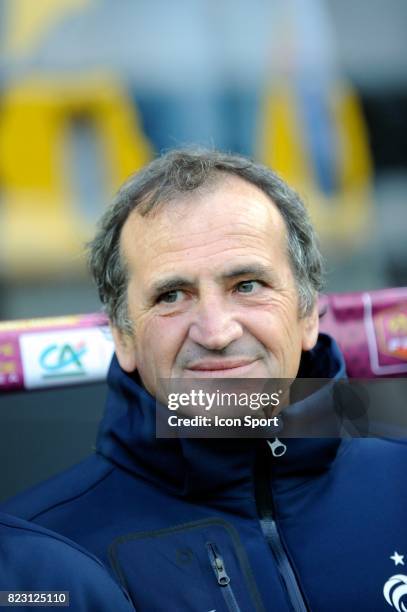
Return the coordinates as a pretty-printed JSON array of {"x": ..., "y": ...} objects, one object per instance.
[
  {"x": 220, "y": 364},
  {"x": 221, "y": 367}
]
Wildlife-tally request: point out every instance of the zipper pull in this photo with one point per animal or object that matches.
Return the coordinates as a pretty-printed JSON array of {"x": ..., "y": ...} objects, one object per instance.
[
  {"x": 277, "y": 447},
  {"x": 217, "y": 565}
]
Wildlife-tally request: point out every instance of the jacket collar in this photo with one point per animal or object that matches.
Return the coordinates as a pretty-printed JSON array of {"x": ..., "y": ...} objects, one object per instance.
[{"x": 209, "y": 467}]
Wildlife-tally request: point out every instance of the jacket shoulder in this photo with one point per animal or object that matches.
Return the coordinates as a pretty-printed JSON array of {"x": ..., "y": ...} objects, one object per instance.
[
  {"x": 64, "y": 487},
  {"x": 385, "y": 449},
  {"x": 34, "y": 558},
  {"x": 376, "y": 458}
]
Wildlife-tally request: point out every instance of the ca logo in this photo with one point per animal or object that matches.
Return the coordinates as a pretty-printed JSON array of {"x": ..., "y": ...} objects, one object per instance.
[{"x": 62, "y": 360}]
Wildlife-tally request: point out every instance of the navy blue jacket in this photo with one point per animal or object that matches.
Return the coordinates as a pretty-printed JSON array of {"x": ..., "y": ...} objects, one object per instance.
[
  {"x": 205, "y": 525},
  {"x": 35, "y": 559}
]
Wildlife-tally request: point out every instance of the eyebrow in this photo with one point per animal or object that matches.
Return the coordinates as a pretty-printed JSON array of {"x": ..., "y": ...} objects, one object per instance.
[{"x": 255, "y": 271}]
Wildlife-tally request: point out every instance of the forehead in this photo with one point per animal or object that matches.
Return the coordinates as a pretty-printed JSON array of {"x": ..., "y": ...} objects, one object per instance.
[{"x": 229, "y": 219}]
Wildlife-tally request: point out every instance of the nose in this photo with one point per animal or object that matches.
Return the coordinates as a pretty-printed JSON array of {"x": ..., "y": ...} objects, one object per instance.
[{"x": 214, "y": 325}]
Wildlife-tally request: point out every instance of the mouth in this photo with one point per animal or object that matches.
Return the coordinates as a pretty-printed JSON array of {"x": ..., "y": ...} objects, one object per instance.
[{"x": 221, "y": 368}]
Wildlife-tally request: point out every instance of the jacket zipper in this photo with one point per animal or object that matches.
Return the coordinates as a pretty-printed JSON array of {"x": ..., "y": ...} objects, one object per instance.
[
  {"x": 222, "y": 578},
  {"x": 269, "y": 527},
  {"x": 239, "y": 551}
]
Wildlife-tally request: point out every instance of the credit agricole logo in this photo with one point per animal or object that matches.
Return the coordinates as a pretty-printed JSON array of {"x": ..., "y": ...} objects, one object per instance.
[{"x": 63, "y": 360}]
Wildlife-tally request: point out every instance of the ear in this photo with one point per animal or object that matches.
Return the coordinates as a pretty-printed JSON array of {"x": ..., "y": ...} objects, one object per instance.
[
  {"x": 125, "y": 349},
  {"x": 310, "y": 328}
]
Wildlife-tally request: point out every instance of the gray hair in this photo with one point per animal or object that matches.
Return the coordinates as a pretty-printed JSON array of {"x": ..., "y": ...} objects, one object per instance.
[{"x": 174, "y": 174}]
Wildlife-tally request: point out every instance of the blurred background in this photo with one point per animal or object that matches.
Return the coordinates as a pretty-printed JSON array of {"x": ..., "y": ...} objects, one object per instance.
[{"x": 90, "y": 90}]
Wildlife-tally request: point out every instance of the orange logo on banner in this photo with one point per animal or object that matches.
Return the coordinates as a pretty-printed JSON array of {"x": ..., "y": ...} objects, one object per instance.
[{"x": 391, "y": 329}]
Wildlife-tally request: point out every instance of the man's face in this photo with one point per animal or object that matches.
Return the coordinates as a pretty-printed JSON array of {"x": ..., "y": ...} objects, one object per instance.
[{"x": 211, "y": 292}]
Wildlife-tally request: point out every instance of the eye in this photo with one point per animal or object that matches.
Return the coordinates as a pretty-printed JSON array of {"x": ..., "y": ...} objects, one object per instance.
[
  {"x": 170, "y": 297},
  {"x": 248, "y": 286}
]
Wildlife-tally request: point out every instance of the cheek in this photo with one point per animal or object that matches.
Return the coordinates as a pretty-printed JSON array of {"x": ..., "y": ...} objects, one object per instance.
[
  {"x": 260, "y": 325},
  {"x": 274, "y": 327},
  {"x": 260, "y": 318},
  {"x": 163, "y": 338}
]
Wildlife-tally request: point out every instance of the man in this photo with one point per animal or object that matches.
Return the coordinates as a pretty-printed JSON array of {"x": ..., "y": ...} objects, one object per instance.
[
  {"x": 209, "y": 268},
  {"x": 38, "y": 567}
]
